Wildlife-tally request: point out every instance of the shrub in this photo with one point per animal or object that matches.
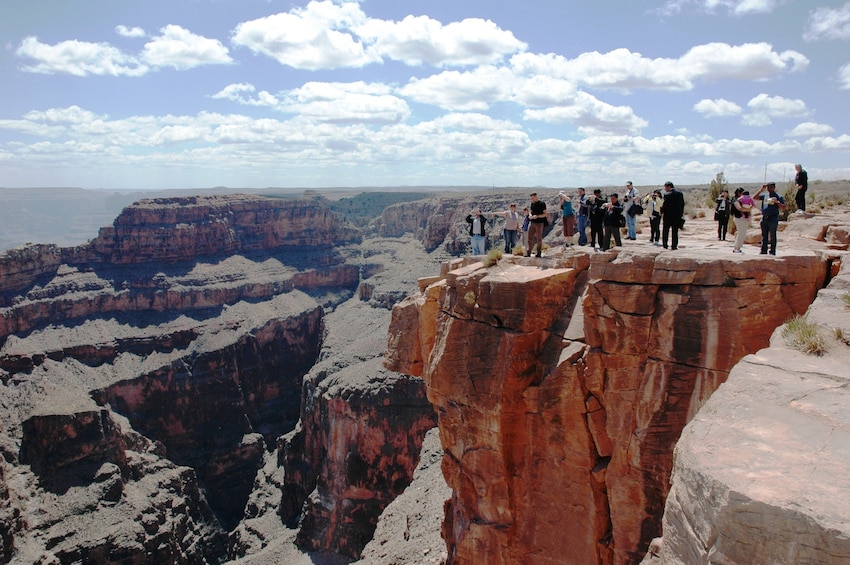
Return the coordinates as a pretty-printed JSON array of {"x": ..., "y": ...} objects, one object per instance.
[
  {"x": 804, "y": 336},
  {"x": 846, "y": 298},
  {"x": 469, "y": 298},
  {"x": 492, "y": 257}
]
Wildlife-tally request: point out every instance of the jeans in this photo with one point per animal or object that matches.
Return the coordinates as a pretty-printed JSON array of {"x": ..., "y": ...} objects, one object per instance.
[
  {"x": 769, "y": 225},
  {"x": 631, "y": 224},
  {"x": 582, "y": 227},
  {"x": 510, "y": 240},
  {"x": 478, "y": 245}
]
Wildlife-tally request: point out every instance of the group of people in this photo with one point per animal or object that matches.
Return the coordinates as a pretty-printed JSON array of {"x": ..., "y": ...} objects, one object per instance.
[{"x": 605, "y": 217}]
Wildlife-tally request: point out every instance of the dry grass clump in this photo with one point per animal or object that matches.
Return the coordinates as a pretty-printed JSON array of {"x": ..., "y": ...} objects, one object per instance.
[
  {"x": 841, "y": 335},
  {"x": 804, "y": 336},
  {"x": 470, "y": 298},
  {"x": 846, "y": 298},
  {"x": 492, "y": 257}
]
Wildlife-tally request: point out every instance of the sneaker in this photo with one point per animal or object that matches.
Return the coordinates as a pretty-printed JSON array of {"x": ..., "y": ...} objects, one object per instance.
[
  {"x": 800, "y": 212},
  {"x": 737, "y": 251}
]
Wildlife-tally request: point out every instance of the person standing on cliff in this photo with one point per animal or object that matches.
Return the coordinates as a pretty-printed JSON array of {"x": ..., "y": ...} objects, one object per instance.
[
  {"x": 568, "y": 218},
  {"x": 631, "y": 198},
  {"x": 513, "y": 221},
  {"x": 672, "y": 214},
  {"x": 583, "y": 216},
  {"x": 476, "y": 223},
  {"x": 721, "y": 214},
  {"x": 771, "y": 205},
  {"x": 597, "y": 215},
  {"x": 801, "y": 180},
  {"x": 652, "y": 203},
  {"x": 538, "y": 222},
  {"x": 612, "y": 222},
  {"x": 526, "y": 221},
  {"x": 741, "y": 209}
]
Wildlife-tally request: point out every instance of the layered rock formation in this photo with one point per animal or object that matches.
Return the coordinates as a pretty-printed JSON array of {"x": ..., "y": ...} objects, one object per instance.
[
  {"x": 556, "y": 410},
  {"x": 173, "y": 361},
  {"x": 762, "y": 473}
]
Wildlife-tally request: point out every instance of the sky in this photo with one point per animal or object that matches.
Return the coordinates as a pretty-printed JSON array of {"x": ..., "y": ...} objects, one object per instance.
[{"x": 159, "y": 94}]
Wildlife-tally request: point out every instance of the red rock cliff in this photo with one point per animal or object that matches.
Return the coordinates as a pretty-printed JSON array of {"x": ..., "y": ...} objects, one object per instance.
[{"x": 561, "y": 390}]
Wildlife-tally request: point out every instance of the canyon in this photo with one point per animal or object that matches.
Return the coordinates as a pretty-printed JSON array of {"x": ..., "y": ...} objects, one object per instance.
[{"x": 252, "y": 379}]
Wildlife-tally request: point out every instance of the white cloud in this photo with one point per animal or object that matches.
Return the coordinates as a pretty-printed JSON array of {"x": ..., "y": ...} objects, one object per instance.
[
  {"x": 843, "y": 76},
  {"x": 125, "y": 31},
  {"x": 764, "y": 107},
  {"x": 454, "y": 90},
  {"x": 356, "y": 102},
  {"x": 308, "y": 38},
  {"x": 718, "y": 108},
  {"x": 810, "y": 129},
  {"x": 736, "y": 7},
  {"x": 327, "y": 35},
  {"x": 176, "y": 47},
  {"x": 592, "y": 116},
  {"x": 623, "y": 69},
  {"x": 419, "y": 39},
  {"x": 179, "y": 48},
  {"x": 78, "y": 58},
  {"x": 828, "y": 23}
]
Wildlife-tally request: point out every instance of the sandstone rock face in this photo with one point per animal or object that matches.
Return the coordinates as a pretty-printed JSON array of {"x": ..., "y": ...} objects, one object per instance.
[
  {"x": 762, "y": 473},
  {"x": 178, "y": 229},
  {"x": 562, "y": 389},
  {"x": 355, "y": 450}
]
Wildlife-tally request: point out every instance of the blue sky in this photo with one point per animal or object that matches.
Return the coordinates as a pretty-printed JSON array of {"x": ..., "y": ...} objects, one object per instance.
[{"x": 259, "y": 93}]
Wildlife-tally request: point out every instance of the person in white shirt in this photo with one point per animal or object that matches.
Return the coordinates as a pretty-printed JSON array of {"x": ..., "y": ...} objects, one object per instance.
[{"x": 631, "y": 198}]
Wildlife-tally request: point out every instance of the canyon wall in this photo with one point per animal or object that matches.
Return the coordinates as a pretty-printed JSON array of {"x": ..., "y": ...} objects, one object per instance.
[
  {"x": 146, "y": 374},
  {"x": 762, "y": 473},
  {"x": 562, "y": 385}
]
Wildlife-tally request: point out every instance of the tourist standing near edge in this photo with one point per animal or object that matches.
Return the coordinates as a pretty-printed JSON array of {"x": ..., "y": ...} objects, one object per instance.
[
  {"x": 568, "y": 218},
  {"x": 721, "y": 214},
  {"x": 801, "y": 179},
  {"x": 742, "y": 207},
  {"x": 652, "y": 204},
  {"x": 613, "y": 222},
  {"x": 513, "y": 221},
  {"x": 583, "y": 216},
  {"x": 631, "y": 198},
  {"x": 771, "y": 205},
  {"x": 672, "y": 214},
  {"x": 535, "y": 227},
  {"x": 476, "y": 223}
]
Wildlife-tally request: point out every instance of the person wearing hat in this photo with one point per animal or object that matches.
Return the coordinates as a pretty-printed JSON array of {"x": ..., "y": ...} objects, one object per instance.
[
  {"x": 771, "y": 205},
  {"x": 477, "y": 221},
  {"x": 672, "y": 215},
  {"x": 568, "y": 218},
  {"x": 721, "y": 214}
]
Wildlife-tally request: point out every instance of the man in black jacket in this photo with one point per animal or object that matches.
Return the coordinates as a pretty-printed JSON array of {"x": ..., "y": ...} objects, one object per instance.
[{"x": 672, "y": 214}]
